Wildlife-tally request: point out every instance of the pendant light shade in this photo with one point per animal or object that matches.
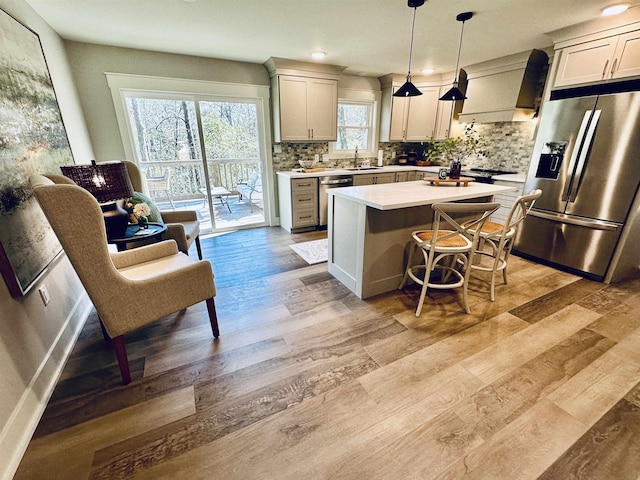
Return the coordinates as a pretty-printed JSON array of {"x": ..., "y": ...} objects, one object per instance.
[
  {"x": 454, "y": 93},
  {"x": 409, "y": 89}
]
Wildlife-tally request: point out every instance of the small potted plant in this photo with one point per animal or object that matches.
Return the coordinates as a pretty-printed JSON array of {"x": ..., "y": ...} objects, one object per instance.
[{"x": 453, "y": 150}]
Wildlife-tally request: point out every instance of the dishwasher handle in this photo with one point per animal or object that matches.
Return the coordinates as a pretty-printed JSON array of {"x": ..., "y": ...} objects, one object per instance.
[{"x": 337, "y": 181}]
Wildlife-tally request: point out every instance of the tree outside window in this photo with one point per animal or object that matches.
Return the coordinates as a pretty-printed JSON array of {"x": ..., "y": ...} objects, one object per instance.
[{"x": 354, "y": 126}]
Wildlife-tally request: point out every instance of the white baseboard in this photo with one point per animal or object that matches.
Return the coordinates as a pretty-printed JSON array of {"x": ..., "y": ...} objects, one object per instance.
[{"x": 15, "y": 436}]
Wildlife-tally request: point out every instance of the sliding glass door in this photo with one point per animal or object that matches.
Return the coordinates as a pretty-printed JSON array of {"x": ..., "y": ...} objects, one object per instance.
[{"x": 201, "y": 153}]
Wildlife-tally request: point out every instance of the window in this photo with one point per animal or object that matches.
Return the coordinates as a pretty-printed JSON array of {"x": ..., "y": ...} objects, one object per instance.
[
  {"x": 204, "y": 137},
  {"x": 355, "y": 127}
]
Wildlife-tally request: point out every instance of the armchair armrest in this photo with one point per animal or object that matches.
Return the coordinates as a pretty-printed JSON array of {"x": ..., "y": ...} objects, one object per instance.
[
  {"x": 144, "y": 254},
  {"x": 170, "y": 216}
]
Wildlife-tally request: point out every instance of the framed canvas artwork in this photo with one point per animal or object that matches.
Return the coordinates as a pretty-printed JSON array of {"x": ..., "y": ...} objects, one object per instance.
[{"x": 32, "y": 140}]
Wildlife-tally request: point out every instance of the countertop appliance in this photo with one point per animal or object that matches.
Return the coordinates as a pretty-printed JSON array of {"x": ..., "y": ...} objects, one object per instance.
[
  {"x": 586, "y": 160},
  {"x": 326, "y": 183},
  {"x": 484, "y": 175}
]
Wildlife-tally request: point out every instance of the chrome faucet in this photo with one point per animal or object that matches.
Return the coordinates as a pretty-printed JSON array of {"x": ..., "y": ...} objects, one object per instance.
[{"x": 355, "y": 158}]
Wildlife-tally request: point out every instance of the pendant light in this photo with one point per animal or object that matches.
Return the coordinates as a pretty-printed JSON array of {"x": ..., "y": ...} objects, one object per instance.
[
  {"x": 409, "y": 89},
  {"x": 454, "y": 93}
]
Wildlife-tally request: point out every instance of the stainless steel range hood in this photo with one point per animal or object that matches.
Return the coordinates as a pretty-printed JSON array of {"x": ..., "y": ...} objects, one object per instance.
[{"x": 505, "y": 90}]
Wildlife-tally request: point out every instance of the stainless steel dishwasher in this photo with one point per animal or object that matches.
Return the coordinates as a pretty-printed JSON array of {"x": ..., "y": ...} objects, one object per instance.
[{"x": 325, "y": 184}]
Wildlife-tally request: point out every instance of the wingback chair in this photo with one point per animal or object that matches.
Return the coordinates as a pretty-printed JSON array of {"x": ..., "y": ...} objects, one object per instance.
[
  {"x": 167, "y": 279},
  {"x": 182, "y": 226}
]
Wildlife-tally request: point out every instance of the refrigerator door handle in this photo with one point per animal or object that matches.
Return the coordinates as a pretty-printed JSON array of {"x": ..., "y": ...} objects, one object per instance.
[
  {"x": 584, "y": 152},
  {"x": 574, "y": 154},
  {"x": 580, "y": 222}
]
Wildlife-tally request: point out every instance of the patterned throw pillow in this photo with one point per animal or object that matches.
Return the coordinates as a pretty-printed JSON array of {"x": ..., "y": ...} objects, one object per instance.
[{"x": 155, "y": 213}]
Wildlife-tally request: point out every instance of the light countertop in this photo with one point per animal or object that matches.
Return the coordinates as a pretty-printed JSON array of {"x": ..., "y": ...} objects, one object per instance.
[
  {"x": 431, "y": 170},
  {"x": 390, "y": 196}
]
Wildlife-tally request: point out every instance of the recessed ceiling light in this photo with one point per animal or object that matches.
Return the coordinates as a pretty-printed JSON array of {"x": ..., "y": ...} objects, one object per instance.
[
  {"x": 615, "y": 9},
  {"x": 428, "y": 71},
  {"x": 318, "y": 55}
]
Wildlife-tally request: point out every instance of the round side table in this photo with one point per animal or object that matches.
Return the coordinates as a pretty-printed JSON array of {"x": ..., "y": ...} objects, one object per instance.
[{"x": 135, "y": 235}]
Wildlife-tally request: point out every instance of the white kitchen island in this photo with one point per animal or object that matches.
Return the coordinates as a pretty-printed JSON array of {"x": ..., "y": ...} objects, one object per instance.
[{"x": 369, "y": 228}]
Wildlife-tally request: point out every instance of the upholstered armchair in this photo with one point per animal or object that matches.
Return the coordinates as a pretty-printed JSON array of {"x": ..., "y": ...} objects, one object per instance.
[
  {"x": 182, "y": 226},
  {"x": 171, "y": 280}
]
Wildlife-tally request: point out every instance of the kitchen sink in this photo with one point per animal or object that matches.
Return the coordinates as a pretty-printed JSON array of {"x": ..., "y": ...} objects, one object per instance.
[{"x": 353, "y": 169}]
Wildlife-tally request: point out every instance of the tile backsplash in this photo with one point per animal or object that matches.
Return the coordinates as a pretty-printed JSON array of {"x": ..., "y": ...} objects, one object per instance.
[{"x": 511, "y": 145}]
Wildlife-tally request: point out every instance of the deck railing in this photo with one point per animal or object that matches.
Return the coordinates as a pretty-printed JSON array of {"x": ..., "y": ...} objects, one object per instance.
[{"x": 186, "y": 178}]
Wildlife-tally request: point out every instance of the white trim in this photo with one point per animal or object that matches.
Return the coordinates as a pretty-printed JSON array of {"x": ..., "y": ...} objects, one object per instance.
[
  {"x": 17, "y": 432},
  {"x": 196, "y": 90},
  {"x": 346, "y": 95}
]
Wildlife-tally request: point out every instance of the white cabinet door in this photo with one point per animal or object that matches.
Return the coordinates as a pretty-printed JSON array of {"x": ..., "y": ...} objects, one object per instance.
[
  {"x": 587, "y": 62},
  {"x": 421, "y": 118},
  {"x": 627, "y": 56},
  {"x": 293, "y": 108},
  {"x": 443, "y": 122},
  {"x": 605, "y": 59},
  {"x": 322, "y": 114},
  {"x": 413, "y": 119},
  {"x": 399, "y": 106},
  {"x": 308, "y": 108}
]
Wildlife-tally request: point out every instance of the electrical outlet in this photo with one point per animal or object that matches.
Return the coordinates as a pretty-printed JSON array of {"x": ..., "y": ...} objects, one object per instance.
[
  {"x": 277, "y": 148},
  {"x": 325, "y": 157},
  {"x": 316, "y": 158},
  {"x": 44, "y": 295}
]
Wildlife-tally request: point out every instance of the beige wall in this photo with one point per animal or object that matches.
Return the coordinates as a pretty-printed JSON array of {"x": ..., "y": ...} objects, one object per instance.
[
  {"x": 90, "y": 62},
  {"x": 34, "y": 338}
]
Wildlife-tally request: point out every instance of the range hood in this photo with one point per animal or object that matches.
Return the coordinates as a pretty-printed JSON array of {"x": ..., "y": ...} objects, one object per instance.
[{"x": 506, "y": 89}]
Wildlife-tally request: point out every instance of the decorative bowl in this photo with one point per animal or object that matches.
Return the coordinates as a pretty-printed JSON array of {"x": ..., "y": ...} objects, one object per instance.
[{"x": 306, "y": 163}]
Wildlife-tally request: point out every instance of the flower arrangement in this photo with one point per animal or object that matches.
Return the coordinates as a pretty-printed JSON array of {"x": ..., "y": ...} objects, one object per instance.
[{"x": 138, "y": 212}]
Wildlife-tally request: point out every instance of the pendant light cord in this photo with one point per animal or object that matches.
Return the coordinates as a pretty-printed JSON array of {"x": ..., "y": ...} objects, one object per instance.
[
  {"x": 459, "y": 50},
  {"x": 411, "y": 44}
]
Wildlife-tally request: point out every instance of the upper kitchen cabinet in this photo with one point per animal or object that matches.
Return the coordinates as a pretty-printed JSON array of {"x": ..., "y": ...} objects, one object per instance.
[
  {"x": 598, "y": 60},
  {"x": 410, "y": 119},
  {"x": 304, "y": 100}
]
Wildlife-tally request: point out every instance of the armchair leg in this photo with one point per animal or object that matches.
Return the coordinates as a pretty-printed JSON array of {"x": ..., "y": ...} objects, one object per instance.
[
  {"x": 121, "y": 355},
  {"x": 213, "y": 317},
  {"x": 199, "y": 247}
]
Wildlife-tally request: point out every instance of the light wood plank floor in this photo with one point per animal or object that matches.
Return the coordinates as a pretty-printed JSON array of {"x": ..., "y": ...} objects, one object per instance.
[{"x": 309, "y": 382}]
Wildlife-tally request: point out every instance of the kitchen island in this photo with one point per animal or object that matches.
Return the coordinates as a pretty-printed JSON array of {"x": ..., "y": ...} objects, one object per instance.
[{"x": 369, "y": 228}]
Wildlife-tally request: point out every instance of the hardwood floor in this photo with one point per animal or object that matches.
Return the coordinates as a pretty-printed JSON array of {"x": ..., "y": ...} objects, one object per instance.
[{"x": 308, "y": 381}]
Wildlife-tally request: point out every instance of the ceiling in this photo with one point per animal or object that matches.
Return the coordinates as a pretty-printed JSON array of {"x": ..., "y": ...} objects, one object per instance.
[{"x": 369, "y": 37}]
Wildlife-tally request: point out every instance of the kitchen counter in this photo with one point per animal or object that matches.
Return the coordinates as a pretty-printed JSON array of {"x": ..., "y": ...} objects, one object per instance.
[
  {"x": 430, "y": 170},
  {"x": 393, "y": 196},
  {"x": 370, "y": 227},
  {"x": 346, "y": 171}
]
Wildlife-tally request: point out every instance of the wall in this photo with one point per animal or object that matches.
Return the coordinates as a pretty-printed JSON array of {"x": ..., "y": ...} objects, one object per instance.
[
  {"x": 510, "y": 144},
  {"x": 34, "y": 339},
  {"x": 90, "y": 62}
]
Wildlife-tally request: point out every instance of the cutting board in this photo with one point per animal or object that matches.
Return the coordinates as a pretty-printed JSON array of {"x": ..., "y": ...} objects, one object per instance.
[{"x": 437, "y": 181}]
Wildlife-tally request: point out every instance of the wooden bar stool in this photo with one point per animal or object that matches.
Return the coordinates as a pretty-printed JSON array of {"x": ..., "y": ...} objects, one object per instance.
[
  {"x": 499, "y": 237},
  {"x": 448, "y": 245}
]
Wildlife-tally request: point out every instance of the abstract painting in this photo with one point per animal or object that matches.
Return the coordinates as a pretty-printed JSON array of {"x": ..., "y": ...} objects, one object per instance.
[{"x": 32, "y": 140}]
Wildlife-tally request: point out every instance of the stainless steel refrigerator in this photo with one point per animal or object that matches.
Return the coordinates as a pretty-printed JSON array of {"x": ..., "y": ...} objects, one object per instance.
[{"x": 586, "y": 160}]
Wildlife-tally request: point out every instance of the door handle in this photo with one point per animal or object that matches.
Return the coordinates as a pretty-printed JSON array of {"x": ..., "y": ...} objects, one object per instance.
[
  {"x": 614, "y": 66},
  {"x": 580, "y": 222},
  {"x": 575, "y": 152},
  {"x": 586, "y": 146},
  {"x": 604, "y": 70}
]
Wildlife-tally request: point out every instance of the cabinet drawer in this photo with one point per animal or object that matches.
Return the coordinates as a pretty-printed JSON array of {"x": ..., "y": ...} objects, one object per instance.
[
  {"x": 304, "y": 199},
  {"x": 299, "y": 184},
  {"x": 304, "y": 217}
]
